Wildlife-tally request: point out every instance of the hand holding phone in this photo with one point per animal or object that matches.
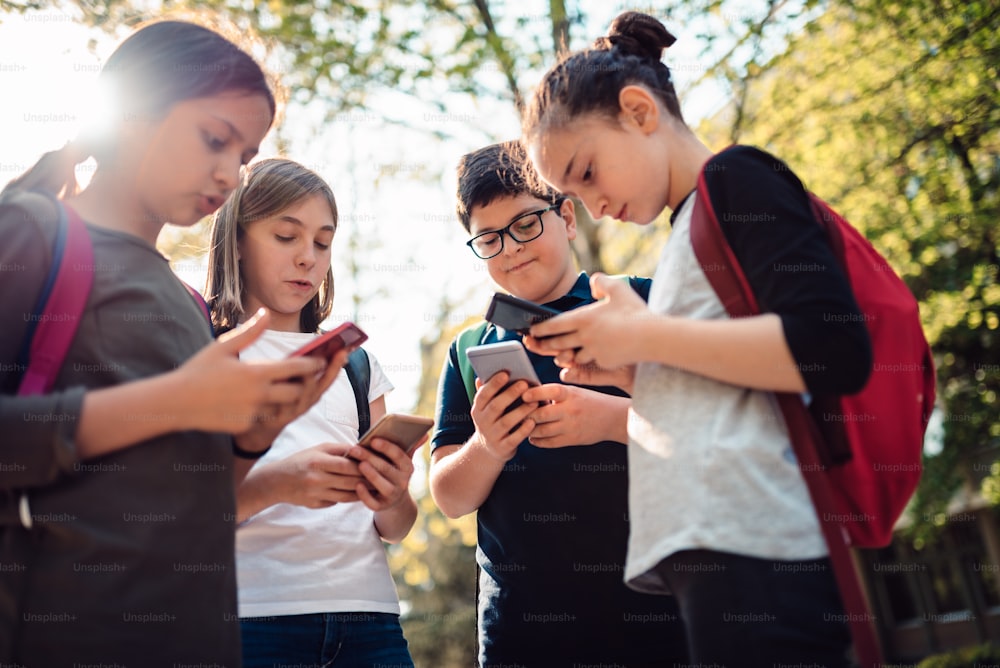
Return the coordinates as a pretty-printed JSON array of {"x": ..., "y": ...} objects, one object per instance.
[
  {"x": 491, "y": 358},
  {"x": 516, "y": 315},
  {"x": 328, "y": 344},
  {"x": 403, "y": 430}
]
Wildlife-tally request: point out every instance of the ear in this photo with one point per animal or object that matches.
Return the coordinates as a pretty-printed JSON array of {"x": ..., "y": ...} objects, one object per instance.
[
  {"x": 638, "y": 109},
  {"x": 567, "y": 211}
]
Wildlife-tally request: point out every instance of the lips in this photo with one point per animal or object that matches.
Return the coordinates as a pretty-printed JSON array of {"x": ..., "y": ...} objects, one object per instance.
[
  {"x": 518, "y": 267},
  {"x": 300, "y": 284},
  {"x": 621, "y": 214},
  {"x": 209, "y": 204}
]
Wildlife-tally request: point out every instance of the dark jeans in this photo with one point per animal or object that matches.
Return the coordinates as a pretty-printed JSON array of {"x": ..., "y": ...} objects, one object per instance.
[
  {"x": 340, "y": 640},
  {"x": 741, "y": 612}
]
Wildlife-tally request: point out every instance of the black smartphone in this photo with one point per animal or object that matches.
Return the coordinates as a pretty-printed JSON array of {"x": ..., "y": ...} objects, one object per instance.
[{"x": 516, "y": 315}]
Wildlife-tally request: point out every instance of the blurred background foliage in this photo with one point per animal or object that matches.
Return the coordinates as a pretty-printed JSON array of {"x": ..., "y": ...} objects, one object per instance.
[{"x": 888, "y": 110}]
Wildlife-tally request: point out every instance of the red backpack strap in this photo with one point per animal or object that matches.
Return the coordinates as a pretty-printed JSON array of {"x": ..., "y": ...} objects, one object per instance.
[
  {"x": 726, "y": 277},
  {"x": 64, "y": 297}
]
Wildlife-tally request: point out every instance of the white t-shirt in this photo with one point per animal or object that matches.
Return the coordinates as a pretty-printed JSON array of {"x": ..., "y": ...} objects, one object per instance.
[
  {"x": 710, "y": 464},
  {"x": 292, "y": 560}
]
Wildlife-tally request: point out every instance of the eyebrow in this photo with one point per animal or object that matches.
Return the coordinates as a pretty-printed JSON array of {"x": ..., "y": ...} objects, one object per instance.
[
  {"x": 569, "y": 167},
  {"x": 295, "y": 221},
  {"x": 252, "y": 150}
]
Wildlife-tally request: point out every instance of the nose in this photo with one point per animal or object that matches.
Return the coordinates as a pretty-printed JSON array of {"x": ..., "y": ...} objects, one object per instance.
[
  {"x": 594, "y": 204},
  {"x": 510, "y": 244},
  {"x": 306, "y": 257},
  {"x": 227, "y": 172}
]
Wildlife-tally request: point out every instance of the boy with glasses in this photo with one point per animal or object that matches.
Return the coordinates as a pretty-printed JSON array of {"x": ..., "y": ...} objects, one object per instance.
[{"x": 549, "y": 477}]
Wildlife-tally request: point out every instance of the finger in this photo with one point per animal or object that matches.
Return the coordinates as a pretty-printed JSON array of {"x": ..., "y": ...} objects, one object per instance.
[
  {"x": 488, "y": 390},
  {"x": 337, "y": 484},
  {"x": 391, "y": 451},
  {"x": 560, "y": 324},
  {"x": 242, "y": 336},
  {"x": 554, "y": 441},
  {"x": 293, "y": 367},
  {"x": 283, "y": 393},
  {"x": 334, "y": 496},
  {"x": 378, "y": 477},
  {"x": 523, "y": 430},
  {"x": 369, "y": 499},
  {"x": 601, "y": 284},
  {"x": 544, "y": 393}
]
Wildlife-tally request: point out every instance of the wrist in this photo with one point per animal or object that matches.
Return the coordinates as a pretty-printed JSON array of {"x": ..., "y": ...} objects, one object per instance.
[
  {"x": 478, "y": 443},
  {"x": 248, "y": 447}
]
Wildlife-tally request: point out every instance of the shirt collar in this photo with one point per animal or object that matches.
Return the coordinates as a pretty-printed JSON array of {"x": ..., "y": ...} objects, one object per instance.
[{"x": 578, "y": 294}]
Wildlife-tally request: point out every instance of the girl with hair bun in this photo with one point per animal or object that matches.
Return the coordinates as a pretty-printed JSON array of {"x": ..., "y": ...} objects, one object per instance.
[
  {"x": 117, "y": 510},
  {"x": 741, "y": 546}
]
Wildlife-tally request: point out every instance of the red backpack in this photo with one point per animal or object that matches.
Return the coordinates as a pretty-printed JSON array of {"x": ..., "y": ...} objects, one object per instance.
[{"x": 859, "y": 454}]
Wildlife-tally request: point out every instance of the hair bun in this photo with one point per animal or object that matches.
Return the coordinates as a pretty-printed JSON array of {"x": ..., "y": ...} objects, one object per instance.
[{"x": 637, "y": 34}]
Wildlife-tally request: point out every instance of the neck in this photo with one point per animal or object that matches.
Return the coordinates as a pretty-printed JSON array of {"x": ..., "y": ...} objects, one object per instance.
[
  {"x": 687, "y": 157},
  {"x": 106, "y": 203}
]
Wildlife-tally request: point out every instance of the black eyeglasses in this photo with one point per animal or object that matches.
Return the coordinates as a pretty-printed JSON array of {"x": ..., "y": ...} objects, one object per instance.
[{"x": 522, "y": 229}]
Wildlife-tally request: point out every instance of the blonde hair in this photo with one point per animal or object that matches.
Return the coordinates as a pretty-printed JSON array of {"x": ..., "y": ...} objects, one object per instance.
[{"x": 268, "y": 188}]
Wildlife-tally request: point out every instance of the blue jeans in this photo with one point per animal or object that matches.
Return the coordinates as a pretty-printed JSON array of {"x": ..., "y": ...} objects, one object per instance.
[{"x": 336, "y": 639}]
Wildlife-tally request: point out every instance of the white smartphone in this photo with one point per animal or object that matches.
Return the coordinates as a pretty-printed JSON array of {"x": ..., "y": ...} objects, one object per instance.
[{"x": 509, "y": 356}]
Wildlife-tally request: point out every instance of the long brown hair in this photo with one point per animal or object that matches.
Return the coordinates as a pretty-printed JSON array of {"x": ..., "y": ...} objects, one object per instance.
[{"x": 268, "y": 188}]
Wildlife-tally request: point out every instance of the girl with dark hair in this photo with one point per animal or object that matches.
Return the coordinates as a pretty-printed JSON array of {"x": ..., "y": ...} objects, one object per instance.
[
  {"x": 740, "y": 546},
  {"x": 117, "y": 491}
]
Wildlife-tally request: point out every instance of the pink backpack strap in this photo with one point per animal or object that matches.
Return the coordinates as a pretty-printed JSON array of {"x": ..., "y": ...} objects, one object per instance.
[{"x": 56, "y": 321}]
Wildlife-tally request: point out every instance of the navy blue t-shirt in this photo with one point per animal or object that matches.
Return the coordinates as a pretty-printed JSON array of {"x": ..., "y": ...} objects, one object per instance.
[{"x": 552, "y": 540}]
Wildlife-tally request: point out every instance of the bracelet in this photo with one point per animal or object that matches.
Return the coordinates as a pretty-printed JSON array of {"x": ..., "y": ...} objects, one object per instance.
[{"x": 248, "y": 454}]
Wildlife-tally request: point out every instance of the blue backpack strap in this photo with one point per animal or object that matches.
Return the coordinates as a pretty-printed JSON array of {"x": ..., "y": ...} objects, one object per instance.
[
  {"x": 359, "y": 372},
  {"x": 468, "y": 337}
]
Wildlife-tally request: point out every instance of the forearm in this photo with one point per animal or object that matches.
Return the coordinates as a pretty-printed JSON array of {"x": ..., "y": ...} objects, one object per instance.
[
  {"x": 257, "y": 491},
  {"x": 117, "y": 417},
  {"x": 462, "y": 479},
  {"x": 749, "y": 352},
  {"x": 394, "y": 523}
]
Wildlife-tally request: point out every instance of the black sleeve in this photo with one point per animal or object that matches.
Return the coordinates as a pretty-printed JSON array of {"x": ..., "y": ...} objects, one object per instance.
[{"x": 766, "y": 217}]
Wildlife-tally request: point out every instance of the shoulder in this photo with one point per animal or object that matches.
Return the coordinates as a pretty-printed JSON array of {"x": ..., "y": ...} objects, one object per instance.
[
  {"x": 28, "y": 214},
  {"x": 748, "y": 170}
]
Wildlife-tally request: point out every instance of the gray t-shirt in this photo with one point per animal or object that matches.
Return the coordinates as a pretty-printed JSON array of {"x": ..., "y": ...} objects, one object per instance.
[{"x": 130, "y": 560}]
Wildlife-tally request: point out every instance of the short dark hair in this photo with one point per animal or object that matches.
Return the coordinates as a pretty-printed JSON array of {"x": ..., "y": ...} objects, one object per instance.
[{"x": 496, "y": 171}]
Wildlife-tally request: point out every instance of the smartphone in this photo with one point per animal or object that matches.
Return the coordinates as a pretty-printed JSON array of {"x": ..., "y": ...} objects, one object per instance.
[
  {"x": 509, "y": 356},
  {"x": 326, "y": 345},
  {"x": 403, "y": 430},
  {"x": 516, "y": 315}
]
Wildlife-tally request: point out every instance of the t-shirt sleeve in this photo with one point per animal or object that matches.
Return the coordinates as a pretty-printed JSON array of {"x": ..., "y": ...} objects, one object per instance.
[
  {"x": 766, "y": 217},
  {"x": 38, "y": 431},
  {"x": 453, "y": 415},
  {"x": 379, "y": 383}
]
